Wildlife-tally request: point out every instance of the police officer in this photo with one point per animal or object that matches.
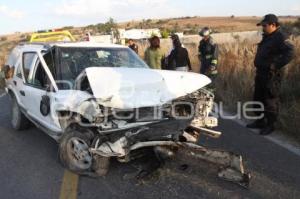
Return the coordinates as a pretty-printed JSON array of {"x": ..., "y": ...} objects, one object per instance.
[
  {"x": 208, "y": 53},
  {"x": 273, "y": 53}
]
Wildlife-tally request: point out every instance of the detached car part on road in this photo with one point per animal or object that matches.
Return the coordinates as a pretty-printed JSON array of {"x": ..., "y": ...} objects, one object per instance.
[{"x": 102, "y": 101}]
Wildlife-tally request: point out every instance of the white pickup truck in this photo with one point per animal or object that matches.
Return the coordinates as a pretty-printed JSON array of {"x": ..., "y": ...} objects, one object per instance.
[{"x": 102, "y": 101}]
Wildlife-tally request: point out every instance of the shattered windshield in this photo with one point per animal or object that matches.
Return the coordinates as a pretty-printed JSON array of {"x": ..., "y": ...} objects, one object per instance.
[{"x": 72, "y": 61}]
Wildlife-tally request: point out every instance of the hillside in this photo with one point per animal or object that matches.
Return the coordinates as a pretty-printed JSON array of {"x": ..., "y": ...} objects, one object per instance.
[{"x": 191, "y": 25}]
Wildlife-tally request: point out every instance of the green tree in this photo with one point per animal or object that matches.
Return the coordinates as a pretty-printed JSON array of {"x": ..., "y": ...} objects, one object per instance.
[{"x": 108, "y": 27}]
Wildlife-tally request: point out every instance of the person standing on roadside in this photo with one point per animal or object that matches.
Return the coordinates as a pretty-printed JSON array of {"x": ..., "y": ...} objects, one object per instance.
[
  {"x": 133, "y": 46},
  {"x": 154, "y": 55},
  {"x": 179, "y": 57},
  {"x": 273, "y": 53},
  {"x": 208, "y": 54}
]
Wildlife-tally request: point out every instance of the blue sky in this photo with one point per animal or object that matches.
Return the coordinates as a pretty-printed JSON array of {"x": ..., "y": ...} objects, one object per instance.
[{"x": 31, "y": 15}]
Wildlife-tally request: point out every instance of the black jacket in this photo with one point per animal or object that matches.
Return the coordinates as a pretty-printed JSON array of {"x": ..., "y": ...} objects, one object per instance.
[
  {"x": 208, "y": 52},
  {"x": 274, "y": 50},
  {"x": 179, "y": 57}
]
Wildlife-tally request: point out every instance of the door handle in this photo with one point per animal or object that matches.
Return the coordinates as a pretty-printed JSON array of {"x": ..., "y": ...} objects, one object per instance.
[
  {"x": 22, "y": 93},
  {"x": 15, "y": 83}
]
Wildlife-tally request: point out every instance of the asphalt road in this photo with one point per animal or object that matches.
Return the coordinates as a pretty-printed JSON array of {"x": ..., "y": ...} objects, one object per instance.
[{"x": 29, "y": 168}]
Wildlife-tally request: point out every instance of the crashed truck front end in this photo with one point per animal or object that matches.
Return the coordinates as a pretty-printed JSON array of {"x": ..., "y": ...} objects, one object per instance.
[
  {"x": 180, "y": 120},
  {"x": 162, "y": 110}
]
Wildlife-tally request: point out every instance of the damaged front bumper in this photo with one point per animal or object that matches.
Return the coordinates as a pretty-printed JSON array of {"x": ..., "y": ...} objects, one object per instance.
[{"x": 231, "y": 167}]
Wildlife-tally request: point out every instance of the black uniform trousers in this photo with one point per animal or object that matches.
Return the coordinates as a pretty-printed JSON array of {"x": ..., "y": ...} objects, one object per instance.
[{"x": 266, "y": 91}]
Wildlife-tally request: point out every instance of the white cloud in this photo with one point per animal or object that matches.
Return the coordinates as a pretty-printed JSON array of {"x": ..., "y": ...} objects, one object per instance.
[
  {"x": 12, "y": 13},
  {"x": 295, "y": 8},
  {"x": 126, "y": 9},
  {"x": 83, "y": 8}
]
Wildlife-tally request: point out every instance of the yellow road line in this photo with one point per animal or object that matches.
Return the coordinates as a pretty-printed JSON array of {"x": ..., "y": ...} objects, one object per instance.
[{"x": 69, "y": 186}]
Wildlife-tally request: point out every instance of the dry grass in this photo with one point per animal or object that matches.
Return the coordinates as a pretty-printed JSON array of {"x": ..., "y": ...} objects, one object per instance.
[
  {"x": 290, "y": 111},
  {"x": 5, "y": 48},
  {"x": 2, "y": 61},
  {"x": 236, "y": 68}
]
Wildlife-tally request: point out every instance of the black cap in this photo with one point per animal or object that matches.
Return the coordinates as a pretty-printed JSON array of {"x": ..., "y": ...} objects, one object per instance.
[{"x": 268, "y": 19}]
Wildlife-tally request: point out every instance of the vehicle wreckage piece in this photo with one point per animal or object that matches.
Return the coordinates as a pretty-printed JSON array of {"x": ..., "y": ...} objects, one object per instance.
[{"x": 230, "y": 164}]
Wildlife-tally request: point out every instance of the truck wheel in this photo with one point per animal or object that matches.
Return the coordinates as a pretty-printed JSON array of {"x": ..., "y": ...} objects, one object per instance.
[
  {"x": 74, "y": 151},
  {"x": 18, "y": 119}
]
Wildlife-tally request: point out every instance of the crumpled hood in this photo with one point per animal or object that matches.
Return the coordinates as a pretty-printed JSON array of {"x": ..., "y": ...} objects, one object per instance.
[{"x": 126, "y": 88}]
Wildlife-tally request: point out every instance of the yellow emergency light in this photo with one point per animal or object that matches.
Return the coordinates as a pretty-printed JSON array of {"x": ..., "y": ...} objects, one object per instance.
[{"x": 45, "y": 36}]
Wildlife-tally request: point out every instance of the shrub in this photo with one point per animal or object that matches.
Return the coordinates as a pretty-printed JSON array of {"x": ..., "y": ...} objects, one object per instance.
[
  {"x": 3, "y": 38},
  {"x": 165, "y": 34}
]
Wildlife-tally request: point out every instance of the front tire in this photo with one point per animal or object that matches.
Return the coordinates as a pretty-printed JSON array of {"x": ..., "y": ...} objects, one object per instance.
[
  {"x": 18, "y": 119},
  {"x": 74, "y": 151}
]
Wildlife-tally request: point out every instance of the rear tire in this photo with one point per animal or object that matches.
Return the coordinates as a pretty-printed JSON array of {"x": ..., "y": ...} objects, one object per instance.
[{"x": 18, "y": 119}]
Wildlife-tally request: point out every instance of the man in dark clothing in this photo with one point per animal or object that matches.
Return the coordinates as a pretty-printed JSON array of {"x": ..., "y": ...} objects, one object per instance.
[
  {"x": 133, "y": 46},
  {"x": 208, "y": 53},
  {"x": 179, "y": 57},
  {"x": 273, "y": 53}
]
